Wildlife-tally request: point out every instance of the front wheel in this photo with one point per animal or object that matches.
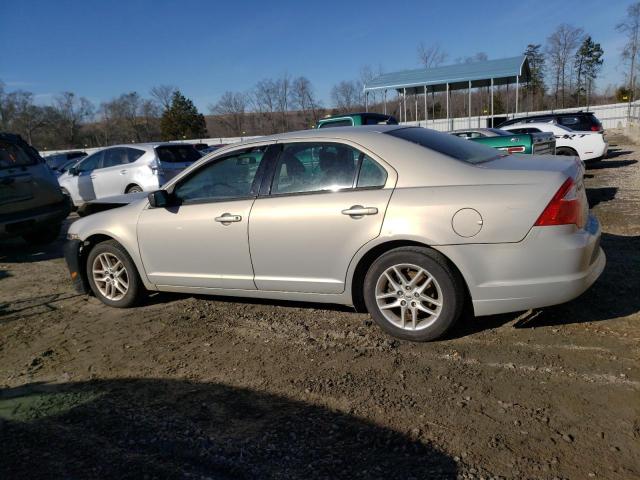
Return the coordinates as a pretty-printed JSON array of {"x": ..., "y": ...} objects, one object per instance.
[
  {"x": 112, "y": 275},
  {"x": 413, "y": 293}
]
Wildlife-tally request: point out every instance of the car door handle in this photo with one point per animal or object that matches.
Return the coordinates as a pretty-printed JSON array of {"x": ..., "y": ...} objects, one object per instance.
[
  {"x": 92, "y": 176},
  {"x": 123, "y": 172},
  {"x": 227, "y": 218},
  {"x": 359, "y": 211}
]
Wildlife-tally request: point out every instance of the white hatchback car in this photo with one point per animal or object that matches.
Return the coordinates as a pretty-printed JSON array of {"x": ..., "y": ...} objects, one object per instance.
[
  {"x": 586, "y": 145},
  {"x": 126, "y": 169}
]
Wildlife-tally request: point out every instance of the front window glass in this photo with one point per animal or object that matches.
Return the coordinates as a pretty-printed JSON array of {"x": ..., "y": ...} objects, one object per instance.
[
  {"x": 450, "y": 145},
  {"x": 226, "y": 178},
  {"x": 92, "y": 162}
]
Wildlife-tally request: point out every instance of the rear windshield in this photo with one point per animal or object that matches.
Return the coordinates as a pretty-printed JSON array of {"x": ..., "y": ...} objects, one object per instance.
[
  {"x": 178, "y": 153},
  {"x": 450, "y": 145},
  {"x": 11, "y": 155}
]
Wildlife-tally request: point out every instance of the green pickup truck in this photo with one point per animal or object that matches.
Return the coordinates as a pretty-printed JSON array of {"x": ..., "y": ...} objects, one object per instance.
[
  {"x": 542, "y": 143},
  {"x": 356, "y": 120}
]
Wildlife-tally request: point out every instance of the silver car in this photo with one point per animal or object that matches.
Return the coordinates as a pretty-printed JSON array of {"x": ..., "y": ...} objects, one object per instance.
[
  {"x": 409, "y": 223},
  {"x": 125, "y": 169}
]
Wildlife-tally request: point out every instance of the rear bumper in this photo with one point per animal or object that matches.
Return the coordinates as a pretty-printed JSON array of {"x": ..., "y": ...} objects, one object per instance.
[
  {"x": 552, "y": 265},
  {"x": 73, "y": 257},
  {"x": 19, "y": 223}
]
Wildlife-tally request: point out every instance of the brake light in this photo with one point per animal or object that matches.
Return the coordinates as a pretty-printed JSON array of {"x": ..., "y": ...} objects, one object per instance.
[
  {"x": 594, "y": 128},
  {"x": 511, "y": 150},
  {"x": 565, "y": 208},
  {"x": 156, "y": 169}
]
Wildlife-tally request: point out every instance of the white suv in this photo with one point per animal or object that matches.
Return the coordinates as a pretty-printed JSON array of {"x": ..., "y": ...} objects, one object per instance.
[{"x": 126, "y": 169}]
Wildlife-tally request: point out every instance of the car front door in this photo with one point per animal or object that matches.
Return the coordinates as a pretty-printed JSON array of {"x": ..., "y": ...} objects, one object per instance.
[
  {"x": 82, "y": 186},
  {"x": 325, "y": 202},
  {"x": 201, "y": 239}
]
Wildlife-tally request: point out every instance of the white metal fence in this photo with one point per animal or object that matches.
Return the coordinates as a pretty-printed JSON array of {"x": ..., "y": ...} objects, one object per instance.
[{"x": 616, "y": 115}]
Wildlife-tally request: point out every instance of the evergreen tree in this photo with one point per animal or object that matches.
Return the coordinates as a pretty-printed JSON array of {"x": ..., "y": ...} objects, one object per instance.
[
  {"x": 536, "y": 86},
  {"x": 587, "y": 64},
  {"x": 182, "y": 119}
]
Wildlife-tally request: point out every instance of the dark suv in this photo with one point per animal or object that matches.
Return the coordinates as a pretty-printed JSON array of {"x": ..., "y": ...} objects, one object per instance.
[
  {"x": 583, "y": 121},
  {"x": 31, "y": 203}
]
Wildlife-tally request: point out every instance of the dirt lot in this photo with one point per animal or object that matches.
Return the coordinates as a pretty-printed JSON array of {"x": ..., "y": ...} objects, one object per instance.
[{"x": 214, "y": 388}]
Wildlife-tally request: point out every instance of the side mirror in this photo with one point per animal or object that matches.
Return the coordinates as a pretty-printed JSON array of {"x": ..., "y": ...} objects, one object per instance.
[
  {"x": 159, "y": 199},
  {"x": 73, "y": 171}
]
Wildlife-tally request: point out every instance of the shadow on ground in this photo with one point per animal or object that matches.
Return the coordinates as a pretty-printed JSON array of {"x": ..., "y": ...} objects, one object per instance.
[
  {"x": 617, "y": 152},
  {"x": 610, "y": 164},
  {"x": 151, "y": 428},
  {"x": 600, "y": 195}
]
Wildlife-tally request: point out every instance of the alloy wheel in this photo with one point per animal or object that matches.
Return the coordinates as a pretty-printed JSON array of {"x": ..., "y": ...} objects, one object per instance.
[
  {"x": 409, "y": 297},
  {"x": 110, "y": 276}
]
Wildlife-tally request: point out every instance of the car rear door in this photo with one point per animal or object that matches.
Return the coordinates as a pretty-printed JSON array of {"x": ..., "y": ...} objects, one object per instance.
[
  {"x": 326, "y": 200},
  {"x": 175, "y": 158}
]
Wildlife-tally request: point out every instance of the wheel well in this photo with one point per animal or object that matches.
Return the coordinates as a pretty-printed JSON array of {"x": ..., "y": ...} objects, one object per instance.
[
  {"x": 575, "y": 153},
  {"x": 131, "y": 185},
  {"x": 365, "y": 262}
]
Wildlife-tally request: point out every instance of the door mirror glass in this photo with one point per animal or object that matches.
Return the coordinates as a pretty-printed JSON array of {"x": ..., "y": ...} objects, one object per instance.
[{"x": 159, "y": 199}]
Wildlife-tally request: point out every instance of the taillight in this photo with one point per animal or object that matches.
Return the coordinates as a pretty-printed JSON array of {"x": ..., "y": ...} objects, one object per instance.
[
  {"x": 511, "y": 150},
  {"x": 594, "y": 128},
  {"x": 156, "y": 169},
  {"x": 565, "y": 208}
]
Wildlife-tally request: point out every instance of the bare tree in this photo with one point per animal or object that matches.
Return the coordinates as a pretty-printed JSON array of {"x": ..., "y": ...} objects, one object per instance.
[
  {"x": 561, "y": 48},
  {"x": 163, "y": 94},
  {"x": 231, "y": 109},
  {"x": 631, "y": 28},
  {"x": 432, "y": 55},
  {"x": 72, "y": 112},
  {"x": 346, "y": 96},
  {"x": 264, "y": 100},
  {"x": 303, "y": 98}
]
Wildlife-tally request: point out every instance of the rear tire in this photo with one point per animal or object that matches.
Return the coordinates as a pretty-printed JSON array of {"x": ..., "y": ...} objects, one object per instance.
[
  {"x": 413, "y": 293},
  {"x": 113, "y": 276},
  {"x": 134, "y": 189}
]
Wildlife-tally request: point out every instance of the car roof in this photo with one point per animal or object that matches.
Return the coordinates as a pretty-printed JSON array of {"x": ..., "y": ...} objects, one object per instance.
[
  {"x": 355, "y": 134},
  {"x": 148, "y": 146}
]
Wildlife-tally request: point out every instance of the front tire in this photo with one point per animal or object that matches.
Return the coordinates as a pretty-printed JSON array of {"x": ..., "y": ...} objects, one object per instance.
[
  {"x": 413, "y": 293},
  {"x": 112, "y": 275}
]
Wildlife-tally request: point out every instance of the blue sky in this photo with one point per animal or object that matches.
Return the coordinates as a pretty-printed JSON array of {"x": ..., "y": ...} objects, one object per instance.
[{"x": 100, "y": 49}]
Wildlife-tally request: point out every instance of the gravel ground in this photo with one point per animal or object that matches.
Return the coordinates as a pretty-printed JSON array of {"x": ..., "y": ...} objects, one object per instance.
[{"x": 222, "y": 388}]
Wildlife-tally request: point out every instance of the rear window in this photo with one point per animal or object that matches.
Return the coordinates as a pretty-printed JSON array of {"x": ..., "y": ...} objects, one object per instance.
[
  {"x": 450, "y": 145},
  {"x": 177, "y": 153},
  {"x": 11, "y": 155}
]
